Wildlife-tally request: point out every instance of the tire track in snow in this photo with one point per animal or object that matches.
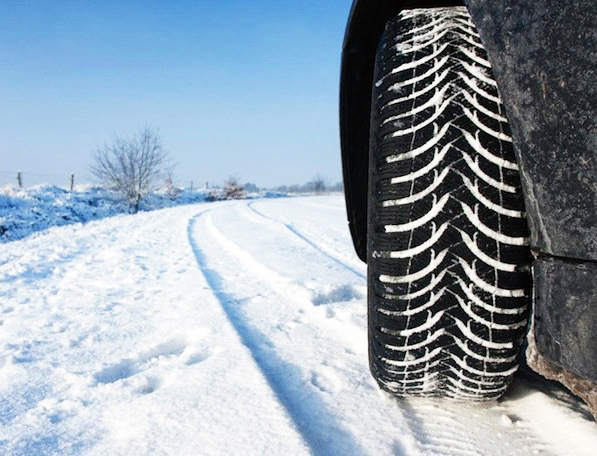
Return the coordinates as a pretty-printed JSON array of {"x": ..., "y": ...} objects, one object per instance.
[
  {"x": 281, "y": 376},
  {"x": 316, "y": 246},
  {"x": 295, "y": 293}
]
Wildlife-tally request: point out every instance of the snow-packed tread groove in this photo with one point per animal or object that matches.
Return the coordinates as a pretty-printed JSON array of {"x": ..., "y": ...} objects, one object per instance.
[{"x": 448, "y": 243}]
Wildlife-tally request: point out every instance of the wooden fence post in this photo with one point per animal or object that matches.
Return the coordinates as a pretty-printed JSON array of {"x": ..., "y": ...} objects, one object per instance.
[
  {"x": 72, "y": 182},
  {"x": 19, "y": 179}
]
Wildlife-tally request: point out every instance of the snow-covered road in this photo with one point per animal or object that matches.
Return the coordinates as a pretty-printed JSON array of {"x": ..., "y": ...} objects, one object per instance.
[{"x": 226, "y": 328}]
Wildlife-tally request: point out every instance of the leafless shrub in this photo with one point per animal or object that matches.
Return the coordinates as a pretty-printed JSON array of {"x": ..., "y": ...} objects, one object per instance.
[
  {"x": 131, "y": 167},
  {"x": 233, "y": 189}
]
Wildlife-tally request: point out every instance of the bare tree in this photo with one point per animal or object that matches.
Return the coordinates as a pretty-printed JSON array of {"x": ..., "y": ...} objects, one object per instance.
[
  {"x": 131, "y": 167},
  {"x": 317, "y": 185},
  {"x": 232, "y": 189}
]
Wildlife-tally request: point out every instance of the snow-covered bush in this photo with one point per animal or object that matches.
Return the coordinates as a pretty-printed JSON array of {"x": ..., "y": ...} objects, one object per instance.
[
  {"x": 233, "y": 189},
  {"x": 132, "y": 167}
]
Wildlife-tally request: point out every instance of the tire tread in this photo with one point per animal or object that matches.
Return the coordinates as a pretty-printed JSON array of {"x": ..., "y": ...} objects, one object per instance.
[{"x": 448, "y": 245}]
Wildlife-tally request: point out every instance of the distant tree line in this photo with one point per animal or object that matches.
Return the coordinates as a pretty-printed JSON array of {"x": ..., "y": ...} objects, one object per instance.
[{"x": 317, "y": 185}]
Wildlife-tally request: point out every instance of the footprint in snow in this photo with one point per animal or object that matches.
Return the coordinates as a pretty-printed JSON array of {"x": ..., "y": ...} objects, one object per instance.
[
  {"x": 141, "y": 370},
  {"x": 124, "y": 369},
  {"x": 149, "y": 384},
  {"x": 326, "y": 380},
  {"x": 194, "y": 355}
]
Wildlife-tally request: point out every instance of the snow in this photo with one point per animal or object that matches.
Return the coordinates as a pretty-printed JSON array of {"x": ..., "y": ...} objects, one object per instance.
[
  {"x": 235, "y": 327},
  {"x": 26, "y": 211}
]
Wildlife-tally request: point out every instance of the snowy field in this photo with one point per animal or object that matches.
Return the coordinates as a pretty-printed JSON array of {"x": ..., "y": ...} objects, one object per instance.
[{"x": 235, "y": 327}]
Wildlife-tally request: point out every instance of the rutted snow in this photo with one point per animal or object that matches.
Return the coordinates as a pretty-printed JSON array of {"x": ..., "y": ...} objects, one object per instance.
[{"x": 225, "y": 328}]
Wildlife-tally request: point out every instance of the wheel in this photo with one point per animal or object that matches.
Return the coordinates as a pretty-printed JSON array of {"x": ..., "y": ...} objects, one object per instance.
[{"x": 448, "y": 257}]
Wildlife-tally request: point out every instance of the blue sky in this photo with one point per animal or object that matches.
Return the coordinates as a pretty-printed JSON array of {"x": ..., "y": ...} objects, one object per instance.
[{"x": 235, "y": 87}]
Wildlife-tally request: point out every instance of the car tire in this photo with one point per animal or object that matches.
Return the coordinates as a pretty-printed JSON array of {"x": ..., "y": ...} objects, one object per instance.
[{"x": 448, "y": 257}]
